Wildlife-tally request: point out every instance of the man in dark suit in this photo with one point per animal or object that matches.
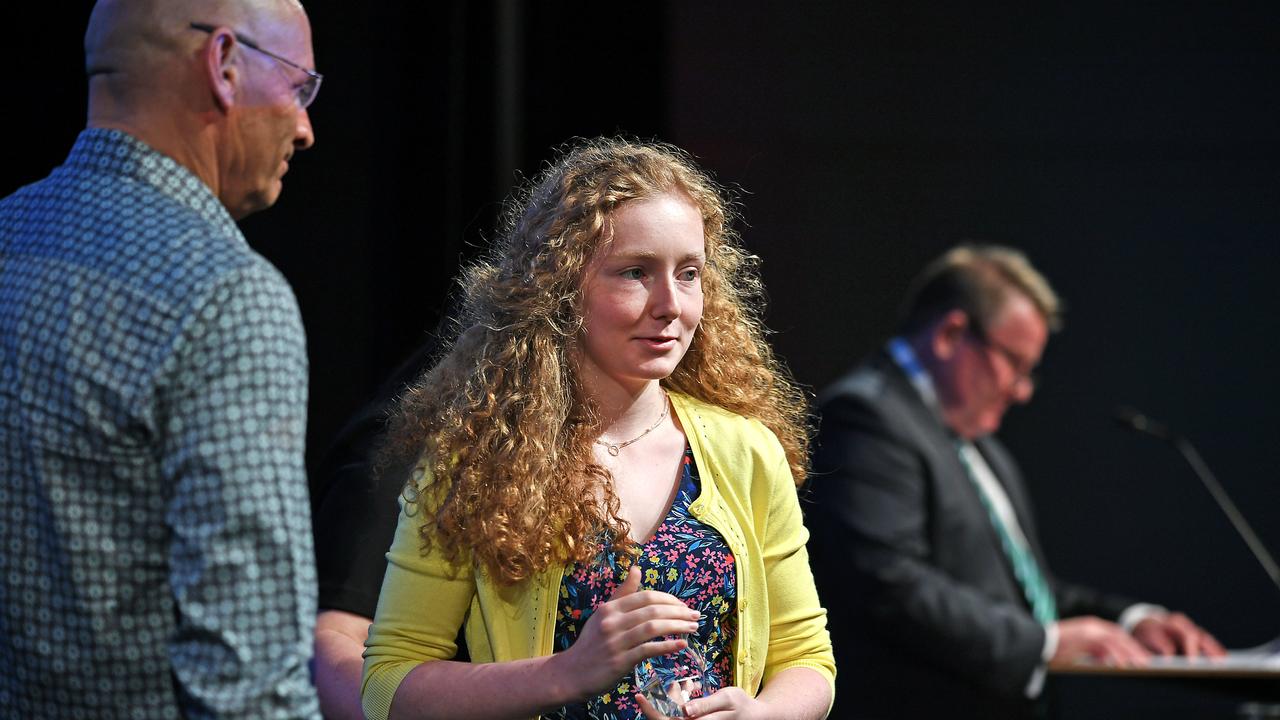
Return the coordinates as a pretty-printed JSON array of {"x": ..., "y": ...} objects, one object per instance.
[{"x": 924, "y": 544}]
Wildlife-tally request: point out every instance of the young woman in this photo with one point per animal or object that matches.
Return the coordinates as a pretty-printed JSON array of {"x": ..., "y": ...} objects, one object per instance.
[{"x": 603, "y": 468}]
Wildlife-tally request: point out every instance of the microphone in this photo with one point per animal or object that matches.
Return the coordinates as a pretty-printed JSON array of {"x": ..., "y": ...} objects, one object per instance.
[{"x": 1132, "y": 419}]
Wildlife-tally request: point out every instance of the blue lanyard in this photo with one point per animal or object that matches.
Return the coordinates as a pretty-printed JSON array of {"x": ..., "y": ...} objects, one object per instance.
[{"x": 902, "y": 354}]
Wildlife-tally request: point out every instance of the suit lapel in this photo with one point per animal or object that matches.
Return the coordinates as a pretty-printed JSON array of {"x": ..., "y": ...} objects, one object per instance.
[{"x": 938, "y": 440}]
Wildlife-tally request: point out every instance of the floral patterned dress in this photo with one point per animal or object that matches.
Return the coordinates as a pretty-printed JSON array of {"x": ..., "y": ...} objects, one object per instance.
[{"x": 685, "y": 558}]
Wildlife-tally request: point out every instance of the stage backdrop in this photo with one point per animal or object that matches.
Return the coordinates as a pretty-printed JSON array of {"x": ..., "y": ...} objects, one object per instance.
[{"x": 1131, "y": 151}]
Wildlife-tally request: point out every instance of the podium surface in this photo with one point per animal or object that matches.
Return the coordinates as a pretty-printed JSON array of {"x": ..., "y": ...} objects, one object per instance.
[{"x": 1171, "y": 687}]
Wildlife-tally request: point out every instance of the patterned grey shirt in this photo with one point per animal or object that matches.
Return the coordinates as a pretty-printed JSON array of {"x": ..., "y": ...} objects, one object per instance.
[{"x": 155, "y": 543}]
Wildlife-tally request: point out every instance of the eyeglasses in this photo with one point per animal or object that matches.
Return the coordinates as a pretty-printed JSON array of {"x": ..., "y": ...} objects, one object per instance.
[
  {"x": 305, "y": 93},
  {"x": 1022, "y": 374}
]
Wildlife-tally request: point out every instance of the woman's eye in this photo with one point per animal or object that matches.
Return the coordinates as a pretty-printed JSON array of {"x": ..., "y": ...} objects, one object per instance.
[
  {"x": 689, "y": 275},
  {"x": 632, "y": 273}
]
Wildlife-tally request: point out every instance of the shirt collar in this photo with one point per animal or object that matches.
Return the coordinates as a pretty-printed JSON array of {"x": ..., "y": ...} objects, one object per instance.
[
  {"x": 104, "y": 150},
  {"x": 900, "y": 350}
]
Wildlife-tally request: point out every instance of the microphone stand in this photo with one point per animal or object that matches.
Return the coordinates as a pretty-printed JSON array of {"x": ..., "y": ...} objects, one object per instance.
[{"x": 1135, "y": 420}]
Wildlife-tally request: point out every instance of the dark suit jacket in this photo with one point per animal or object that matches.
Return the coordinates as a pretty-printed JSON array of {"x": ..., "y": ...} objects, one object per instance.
[{"x": 926, "y": 615}]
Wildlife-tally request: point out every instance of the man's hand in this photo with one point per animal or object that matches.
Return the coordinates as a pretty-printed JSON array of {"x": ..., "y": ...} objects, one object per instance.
[
  {"x": 1092, "y": 637},
  {"x": 1175, "y": 634}
]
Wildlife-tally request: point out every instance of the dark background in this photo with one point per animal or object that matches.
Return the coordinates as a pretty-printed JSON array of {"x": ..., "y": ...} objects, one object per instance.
[{"x": 1130, "y": 149}]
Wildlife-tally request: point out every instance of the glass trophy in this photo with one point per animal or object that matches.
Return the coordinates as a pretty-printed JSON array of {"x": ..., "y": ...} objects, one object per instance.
[{"x": 670, "y": 681}]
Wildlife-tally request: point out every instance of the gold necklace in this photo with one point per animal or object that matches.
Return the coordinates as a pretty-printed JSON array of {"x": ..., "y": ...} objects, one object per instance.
[{"x": 615, "y": 448}]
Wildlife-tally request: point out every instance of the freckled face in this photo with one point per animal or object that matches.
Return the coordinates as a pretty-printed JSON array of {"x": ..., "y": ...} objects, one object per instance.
[{"x": 642, "y": 294}]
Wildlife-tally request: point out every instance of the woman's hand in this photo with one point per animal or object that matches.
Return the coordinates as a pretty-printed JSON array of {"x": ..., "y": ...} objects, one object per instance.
[
  {"x": 619, "y": 634},
  {"x": 724, "y": 704}
]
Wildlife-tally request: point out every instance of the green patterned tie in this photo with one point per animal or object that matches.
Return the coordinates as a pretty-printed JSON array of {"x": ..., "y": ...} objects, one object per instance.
[{"x": 1025, "y": 567}]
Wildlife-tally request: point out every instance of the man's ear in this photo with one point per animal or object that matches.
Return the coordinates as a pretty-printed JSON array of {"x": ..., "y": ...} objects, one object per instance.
[
  {"x": 948, "y": 332},
  {"x": 222, "y": 72}
]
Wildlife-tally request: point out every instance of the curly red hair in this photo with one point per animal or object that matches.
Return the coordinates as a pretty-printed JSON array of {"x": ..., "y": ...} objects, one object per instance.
[{"x": 501, "y": 419}]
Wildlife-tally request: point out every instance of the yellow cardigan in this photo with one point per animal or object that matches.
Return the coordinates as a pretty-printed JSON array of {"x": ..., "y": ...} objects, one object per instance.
[{"x": 747, "y": 495}]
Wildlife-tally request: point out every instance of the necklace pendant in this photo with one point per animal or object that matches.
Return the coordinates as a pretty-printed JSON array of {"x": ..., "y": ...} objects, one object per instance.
[{"x": 615, "y": 448}]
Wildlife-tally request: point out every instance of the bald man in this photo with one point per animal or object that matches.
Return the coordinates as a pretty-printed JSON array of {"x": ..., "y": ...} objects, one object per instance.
[{"x": 157, "y": 555}]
